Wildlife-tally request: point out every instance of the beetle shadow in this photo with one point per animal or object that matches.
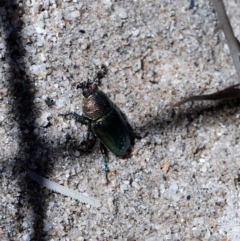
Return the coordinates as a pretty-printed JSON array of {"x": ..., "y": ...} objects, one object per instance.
[
  {"x": 176, "y": 117},
  {"x": 32, "y": 150},
  {"x": 205, "y": 109}
]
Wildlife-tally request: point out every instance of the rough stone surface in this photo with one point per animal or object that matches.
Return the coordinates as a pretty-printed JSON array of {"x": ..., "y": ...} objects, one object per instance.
[{"x": 156, "y": 52}]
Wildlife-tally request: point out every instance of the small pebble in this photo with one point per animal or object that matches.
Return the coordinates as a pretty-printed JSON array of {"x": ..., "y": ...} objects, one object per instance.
[
  {"x": 122, "y": 13},
  {"x": 136, "y": 186}
]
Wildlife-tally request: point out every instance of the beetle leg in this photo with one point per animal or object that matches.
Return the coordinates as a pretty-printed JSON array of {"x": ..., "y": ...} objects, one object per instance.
[
  {"x": 75, "y": 116},
  {"x": 88, "y": 135},
  {"x": 81, "y": 118},
  {"x": 191, "y": 5},
  {"x": 133, "y": 135},
  {"x": 104, "y": 154}
]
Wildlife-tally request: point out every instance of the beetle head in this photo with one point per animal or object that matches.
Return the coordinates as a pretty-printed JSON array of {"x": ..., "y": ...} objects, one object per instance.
[{"x": 88, "y": 87}]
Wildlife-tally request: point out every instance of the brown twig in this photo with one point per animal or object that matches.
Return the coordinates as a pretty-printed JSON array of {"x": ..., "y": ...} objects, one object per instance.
[{"x": 230, "y": 92}]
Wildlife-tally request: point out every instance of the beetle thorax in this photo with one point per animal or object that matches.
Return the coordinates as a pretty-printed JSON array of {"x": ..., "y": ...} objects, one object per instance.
[{"x": 96, "y": 105}]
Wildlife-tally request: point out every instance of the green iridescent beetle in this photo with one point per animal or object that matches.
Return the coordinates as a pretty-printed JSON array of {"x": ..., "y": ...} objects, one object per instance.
[{"x": 104, "y": 120}]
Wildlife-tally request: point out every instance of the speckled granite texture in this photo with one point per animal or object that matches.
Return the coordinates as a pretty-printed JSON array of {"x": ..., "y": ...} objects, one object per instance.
[{"x": 181, "y": 182}]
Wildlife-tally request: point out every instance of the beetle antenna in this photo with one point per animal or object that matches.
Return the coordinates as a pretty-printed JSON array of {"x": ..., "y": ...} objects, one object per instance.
[
  {"x": 101, "y": 73},
  {"x": 96, "y": 80},
  {"x": 82, "y": 85},
  {"x": 88, "y": 87}
]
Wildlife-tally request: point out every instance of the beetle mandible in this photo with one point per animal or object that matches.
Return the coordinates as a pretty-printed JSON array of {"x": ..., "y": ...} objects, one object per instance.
[{"x": 104, "y": 120}]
